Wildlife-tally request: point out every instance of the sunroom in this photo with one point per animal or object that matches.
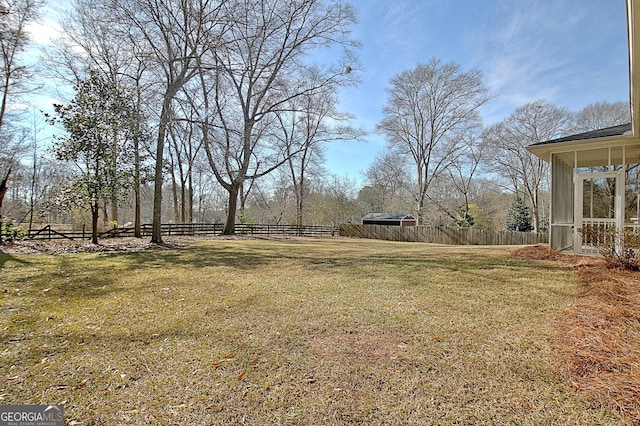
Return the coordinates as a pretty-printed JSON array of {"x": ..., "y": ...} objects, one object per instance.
[
  {"x": 595, "y": 182},
  {"x": 595, "y": 176}
]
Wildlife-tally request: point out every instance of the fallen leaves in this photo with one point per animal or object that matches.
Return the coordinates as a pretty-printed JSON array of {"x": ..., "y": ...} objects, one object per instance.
[
  {"x": 597, "y": 341},
  {"x": 228, "y": 357},
  {"x": 241, "y": 375}
]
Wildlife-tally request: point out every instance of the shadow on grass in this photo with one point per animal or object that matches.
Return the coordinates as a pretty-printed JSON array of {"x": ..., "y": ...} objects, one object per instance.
[
  {"x": 77, "y": 276},
  {"x": 430, "y": 260},
  {"x": 6, "y": 258},
  {"x": 251, "y": 257},
  {"x": 197, "y": 256},
  {"x": 68, "y": 277}
]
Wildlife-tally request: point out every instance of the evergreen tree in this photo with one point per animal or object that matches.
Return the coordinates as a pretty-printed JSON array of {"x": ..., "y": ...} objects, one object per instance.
[
  {"x": 518, "y": 217},
  {"x": 463, "y": 218},
  {"x": 96, "y": 143}
]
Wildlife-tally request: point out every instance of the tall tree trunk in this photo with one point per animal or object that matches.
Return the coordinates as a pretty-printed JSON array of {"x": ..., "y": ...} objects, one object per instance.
[
  {"x": 3, "y": 191},
  {"x": 95, "y": 210},
  {"x": 301, "y": 198},
  {"x": 242, "y": 197},
  {"x": 183, "y": 202},
  {"x": 299, "y": 204},
  {"x": 5, "y": 95},
  {"x": 114, "y": 164},
  {"x": 114, "y": 208},
  {"x": 299, "y": 218},
  {"x": 105, "y": 219},
  {"x": 136, "y": 189},
  {"x": 420, "y": 199},
  {"x": 190, "y": 196},
  {"x": 156, "y": 233},
  {"x": 174, "y": 192},
  {"x": 137, "y": 231},
  {"x": 535, "y": 213},
  {"x": 32, "y": 197},
  {"x": 230, "y": 224}
]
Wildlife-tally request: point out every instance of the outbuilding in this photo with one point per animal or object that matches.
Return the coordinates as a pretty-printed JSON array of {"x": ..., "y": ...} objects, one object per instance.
[{"x": 389, "y": 219}]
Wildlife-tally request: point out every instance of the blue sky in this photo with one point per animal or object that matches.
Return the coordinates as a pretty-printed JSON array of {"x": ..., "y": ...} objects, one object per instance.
[{"x": 569, "y": 52}]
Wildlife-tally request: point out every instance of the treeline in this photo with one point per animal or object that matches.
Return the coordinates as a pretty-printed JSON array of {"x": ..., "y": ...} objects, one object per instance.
[
  {"x": 163, "y": 87},
  {"x": 216, "y": 111}
]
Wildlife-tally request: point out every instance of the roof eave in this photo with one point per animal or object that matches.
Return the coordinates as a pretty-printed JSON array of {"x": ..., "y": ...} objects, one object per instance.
[{"x": 544, "y": 151}]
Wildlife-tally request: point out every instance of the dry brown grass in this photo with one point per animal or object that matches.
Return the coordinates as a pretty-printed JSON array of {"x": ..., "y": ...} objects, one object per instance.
[
  {"x": 598, "y": 341},
  {"x": 295, "y": 332}
]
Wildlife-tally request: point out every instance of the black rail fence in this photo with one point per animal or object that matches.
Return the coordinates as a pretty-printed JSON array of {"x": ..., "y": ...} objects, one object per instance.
[{"x": 186, "y": 229}]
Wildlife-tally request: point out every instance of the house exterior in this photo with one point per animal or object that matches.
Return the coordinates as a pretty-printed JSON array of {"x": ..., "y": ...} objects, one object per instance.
[
  {"x": 595, "y": 176},
  {"x": 389, "y": 219}
]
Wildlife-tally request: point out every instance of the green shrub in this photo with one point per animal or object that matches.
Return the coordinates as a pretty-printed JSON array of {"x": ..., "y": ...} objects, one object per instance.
[{"x": 11, "y": 231}]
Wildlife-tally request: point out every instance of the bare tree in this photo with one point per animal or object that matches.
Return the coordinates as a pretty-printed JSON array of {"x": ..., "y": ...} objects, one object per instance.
[
  {"x": 463, "y": 172},
  {"x": 527, "y": 174},
  {"x": 172, "y": 37},
  {"x": 34, "y": 186},
  {"x": 310, "y": 121},
  {"x": 388, "y": 184},
  {"x": 92, "y": 39},
  {"x": 336, "y": 202},
  {"x": 15, "y": 16},
  {"x": 185, "y": 144},
  {"x": 600, "y": 115},
  {"x": 258, "y": 72},
  {"x": 427, "y": 110}
]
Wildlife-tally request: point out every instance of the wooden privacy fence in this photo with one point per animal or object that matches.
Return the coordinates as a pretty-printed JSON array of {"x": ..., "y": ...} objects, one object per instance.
[
  {"x": 452, "y": 236},
  {"x": 187, "y": 229}
]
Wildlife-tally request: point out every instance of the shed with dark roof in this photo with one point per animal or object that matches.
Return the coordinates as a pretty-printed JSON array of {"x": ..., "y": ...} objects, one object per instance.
[{"x": 389, "y": 219}]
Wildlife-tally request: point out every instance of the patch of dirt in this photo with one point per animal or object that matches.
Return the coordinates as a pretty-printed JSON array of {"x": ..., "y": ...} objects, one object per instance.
[
  {"x": 597, "y": 343},
  {"x": 370, "y": 348}
]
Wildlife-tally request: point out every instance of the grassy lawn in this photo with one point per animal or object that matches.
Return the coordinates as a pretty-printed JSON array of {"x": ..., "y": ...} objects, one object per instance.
[{"x": 301, "y": 331}]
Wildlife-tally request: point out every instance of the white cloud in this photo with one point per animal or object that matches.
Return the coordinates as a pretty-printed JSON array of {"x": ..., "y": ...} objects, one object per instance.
[
  {"x": 547, "y": 49},
  {"x": 48, "y": 27},
  {"x": 43, "y": 32}
]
